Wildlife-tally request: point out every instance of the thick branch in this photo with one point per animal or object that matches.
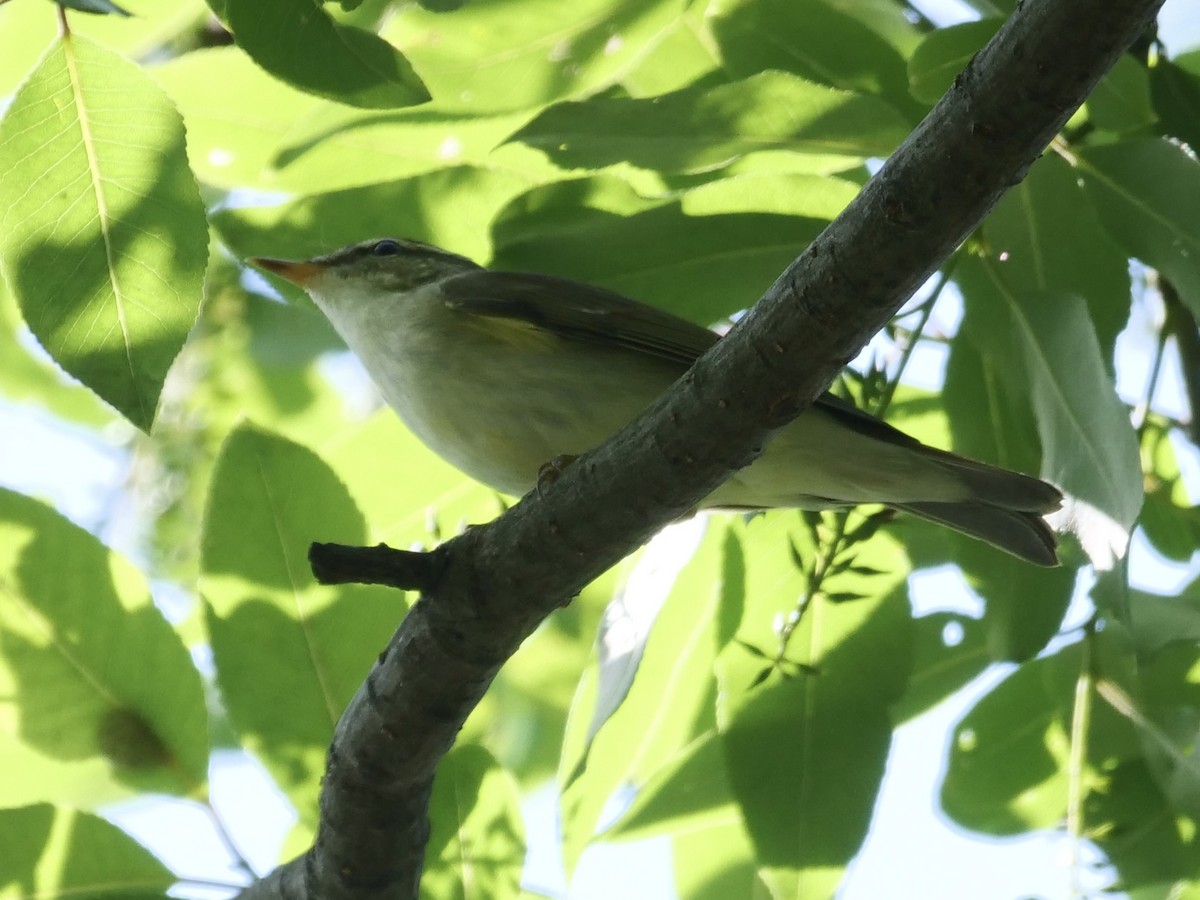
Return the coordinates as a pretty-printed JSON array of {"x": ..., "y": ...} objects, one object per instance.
[{"x": 501, "y": 580}]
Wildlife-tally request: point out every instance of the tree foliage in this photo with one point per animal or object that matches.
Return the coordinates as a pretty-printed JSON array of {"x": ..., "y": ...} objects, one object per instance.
[{"x": 681, "y": 153}]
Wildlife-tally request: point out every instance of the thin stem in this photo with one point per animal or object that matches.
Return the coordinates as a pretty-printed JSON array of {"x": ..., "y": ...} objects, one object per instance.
[
  {"x": 239, "y": 861},
  {"x": 822, "y": 563},
  {"x": 1076, "y": 768},
  {"x": 64, "y": 30},
  {"x": 1152, "y": 382},
  {"x": 914, "y": 337}
]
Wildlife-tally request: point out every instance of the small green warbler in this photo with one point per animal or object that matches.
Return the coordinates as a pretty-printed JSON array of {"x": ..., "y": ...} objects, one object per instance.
[{"x": 501, "y": 372}]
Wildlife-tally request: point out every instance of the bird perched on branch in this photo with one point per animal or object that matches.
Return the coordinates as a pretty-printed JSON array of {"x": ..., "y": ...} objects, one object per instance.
[{"x": 501, "y": 372}]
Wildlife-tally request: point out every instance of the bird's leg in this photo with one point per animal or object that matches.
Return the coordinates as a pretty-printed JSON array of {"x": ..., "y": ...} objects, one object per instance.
[{"x": 550, "y": 472}]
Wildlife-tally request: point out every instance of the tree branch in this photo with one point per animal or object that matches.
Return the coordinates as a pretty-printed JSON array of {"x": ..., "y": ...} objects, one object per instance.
[{"x": 497, "y": 582}]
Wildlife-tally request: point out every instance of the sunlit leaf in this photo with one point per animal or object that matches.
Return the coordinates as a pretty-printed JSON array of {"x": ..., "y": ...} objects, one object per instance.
[
  {"x": 477, "y": 843},
  {"x": 102, "y": 239},
  {"x": 288, "y": 655},
  {"x": 99, "y": 695},
  {"x": 1009, "y": 765},
  {"x": 804, "y": 772}
]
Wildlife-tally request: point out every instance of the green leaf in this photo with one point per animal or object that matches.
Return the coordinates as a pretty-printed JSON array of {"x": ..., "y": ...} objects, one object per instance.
[
  {"x": 943, "y": 54},
  {"x": 683, "y": 55},
  {"x": 1157, "y": 622},
  {"x": 1148, "y": 195},
  {"x": 1169, "y": 518},
  {"x": 1046, "y": 236},
  {"x": 1141, "y": 835},
  {"x": 103, "y": 239},
  {"x": 1025, "y": 604},
  {"x": 288, "y": 655},
  {"x": 1044, "y": 347},
  {"x": 1175, "y": 92},
  {"x": 1121, "y": 101},
  {"x": 806, "y": 773},
  {"x": 948, "y": 651},
  {"x": 62, "y": 853},
  {"x": 811, "y": 39},
  {"x": 716, "y": 863},
  {"x": 99, "y": 694},
  {"x": 334, "y": 148},
  {"x": 1010, "y": 769},
  {"x": 700, "y": 129},
  {"x": 303, "y": 45},
  {"x": 100, "y": 7},
  {"x": 668, "y": 704},
  {"x": 703, "y": 254},
  {"x": 97, "y": 7},
  {"x": 488, "y": 57},
  {"x": 477, "y": 845},
  {"x": 236, "y": 114}
]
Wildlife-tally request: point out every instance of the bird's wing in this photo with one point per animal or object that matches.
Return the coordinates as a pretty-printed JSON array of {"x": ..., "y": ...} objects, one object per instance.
[
  {"x": 602, "y": 316},
  {"x": 594, "y": 315}
]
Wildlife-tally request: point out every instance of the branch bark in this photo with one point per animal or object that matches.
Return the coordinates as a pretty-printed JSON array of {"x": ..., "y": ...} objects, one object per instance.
[{"x": 495, "y": 583}]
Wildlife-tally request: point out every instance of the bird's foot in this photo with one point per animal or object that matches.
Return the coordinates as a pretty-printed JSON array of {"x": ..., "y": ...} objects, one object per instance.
[{"x": 550, "y": 472}]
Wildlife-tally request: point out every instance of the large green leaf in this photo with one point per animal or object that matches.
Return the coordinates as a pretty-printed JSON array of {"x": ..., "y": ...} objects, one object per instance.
[
  {"x": 812, "y": 39},
  {"x": 1046, "y": 237},
  {"x": 477, "y": 844},
  {"x": 288, "y": 655},
  {"x": 490, "y": 57},
  {"x": 1044, "y": 348},
  {"x": 306, "y": 47},
  {"x": 1148, "y": 195},
  {"x": 99, "y": 695},
  {"x": 1010, "y": 766},
  {"x": 102, "y": 239},
  {"x": 805, "y": 772},
  {"x": 61, "y": 853},
  {"x": 702, "y": 254},
  {"x": 699, "y": 128}
]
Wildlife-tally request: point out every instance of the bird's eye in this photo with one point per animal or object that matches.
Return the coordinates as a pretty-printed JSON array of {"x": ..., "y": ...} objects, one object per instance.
[{"x": 387, "y": 248}]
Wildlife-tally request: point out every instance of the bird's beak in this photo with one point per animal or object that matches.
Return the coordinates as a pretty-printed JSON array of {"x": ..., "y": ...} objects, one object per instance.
[{"x": 298, "y": 273}]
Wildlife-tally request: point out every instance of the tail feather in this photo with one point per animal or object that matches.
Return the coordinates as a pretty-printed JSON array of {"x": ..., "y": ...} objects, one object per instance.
[
  {"x": 999, "y": 487},
  {"x": 1022, "y": 533}
]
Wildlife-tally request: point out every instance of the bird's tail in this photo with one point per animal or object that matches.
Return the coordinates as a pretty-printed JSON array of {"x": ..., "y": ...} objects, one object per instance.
[{"x": 1005, "y": 509}]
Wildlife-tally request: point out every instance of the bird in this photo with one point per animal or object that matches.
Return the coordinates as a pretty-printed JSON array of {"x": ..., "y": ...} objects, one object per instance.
[{"x": 501, "y": 373}]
